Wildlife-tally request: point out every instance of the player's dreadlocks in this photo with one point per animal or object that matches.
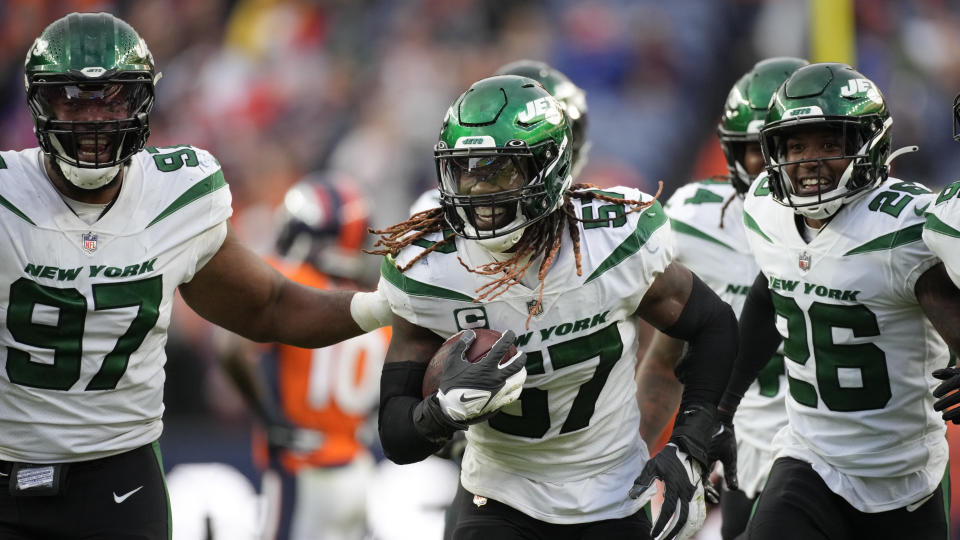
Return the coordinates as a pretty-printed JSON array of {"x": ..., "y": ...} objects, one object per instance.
[{"x": 542, "y": 238}]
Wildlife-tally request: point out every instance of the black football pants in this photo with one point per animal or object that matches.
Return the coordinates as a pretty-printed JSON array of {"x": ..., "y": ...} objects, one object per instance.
[
  {"x": 796, "y": 505},
  {"x": 495, "y": 520},
  {"x": 121, "y": 497}
]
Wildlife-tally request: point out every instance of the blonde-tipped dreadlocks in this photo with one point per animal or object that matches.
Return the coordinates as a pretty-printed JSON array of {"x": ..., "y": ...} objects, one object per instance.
[{"x": 542, "y": 238}]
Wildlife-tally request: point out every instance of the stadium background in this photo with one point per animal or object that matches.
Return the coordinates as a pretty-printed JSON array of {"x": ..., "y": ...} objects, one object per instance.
[{"x": 279, "y": 88}]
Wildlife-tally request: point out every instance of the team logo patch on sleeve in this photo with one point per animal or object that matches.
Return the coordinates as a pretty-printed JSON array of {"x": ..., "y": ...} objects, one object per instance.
[{"x": 89, "y": 242}]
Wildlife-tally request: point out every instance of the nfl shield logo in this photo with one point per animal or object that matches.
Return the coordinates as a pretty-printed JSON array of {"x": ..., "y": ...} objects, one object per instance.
[
  {"x": 89, "y": 242},
  {"x": 534, "y": 308},
  {"x": 804, "y": 261}
]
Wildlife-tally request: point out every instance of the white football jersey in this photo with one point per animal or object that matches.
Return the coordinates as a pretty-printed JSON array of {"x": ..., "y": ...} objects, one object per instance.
[
  {"x": 86, "y": 307},
  {"x": 711, "y": 241},
  {"x": 942, "y": 229},
  {"x": 859, "y": 349},
  {"x": 569, "y": 449}
]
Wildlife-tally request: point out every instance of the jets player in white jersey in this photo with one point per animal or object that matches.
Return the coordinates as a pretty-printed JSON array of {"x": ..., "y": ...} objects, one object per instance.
[
  {"x": 857, "y": 300},
  {"x": 99, "y": 232},
  {"x": 562, "y": 270},
  {"x": 941, "y": 232},
  {"x": 707, "y": 221}
]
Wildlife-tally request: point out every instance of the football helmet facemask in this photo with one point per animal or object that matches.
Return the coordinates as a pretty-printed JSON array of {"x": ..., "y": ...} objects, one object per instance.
[
  {"x": 95, "y": 72},
  {"x": 745, "y": 111},
  {"x": 840, "y": 99},
  {"x": 503, "y": 160},
  {"x": 570, "y": 96}
]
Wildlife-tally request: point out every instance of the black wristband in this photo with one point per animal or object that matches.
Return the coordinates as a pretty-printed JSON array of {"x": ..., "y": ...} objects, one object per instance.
[
  {"x": 693, "y": 429},
  {"x": 400, "y": 387}
]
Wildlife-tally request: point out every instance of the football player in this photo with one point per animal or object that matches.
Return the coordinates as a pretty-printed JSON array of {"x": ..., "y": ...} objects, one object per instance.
[
  {"x": 99, "y": 233},
  {"x": 857, "y": 300},
  {"x": 707, "y": 219},
  {"x": 561, "y": 269},
  {"x": 940, "y": 231},
  {"x": 314, "y": 404}
]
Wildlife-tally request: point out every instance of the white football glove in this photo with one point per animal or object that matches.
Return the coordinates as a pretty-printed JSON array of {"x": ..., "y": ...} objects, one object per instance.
[{"x": 684, "y": 509}]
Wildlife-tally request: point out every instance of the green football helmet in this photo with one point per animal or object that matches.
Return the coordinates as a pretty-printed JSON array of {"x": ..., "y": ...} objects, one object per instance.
[
  {"x": 836, "y": 97},
  {"x": 83, "y": 60},
  {"x": 503, "y": 159},
  {"x": 571, "y": 97},
  {"x": 745, "y": 111}
]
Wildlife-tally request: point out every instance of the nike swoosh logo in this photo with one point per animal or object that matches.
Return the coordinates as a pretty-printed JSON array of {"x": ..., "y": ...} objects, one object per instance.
[
  {"x": 918, "y": 504},
  {"x": 920, "y": 210},
  {"x": 465, "y": 399},
  {"x": 120, "y": 498}
]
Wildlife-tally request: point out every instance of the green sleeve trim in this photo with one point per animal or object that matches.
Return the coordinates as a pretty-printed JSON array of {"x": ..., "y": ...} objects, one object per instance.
[
  {"x": 202, "y": 188},
  {"x": 936, "y": 225},
  {"x": 752, "y": 225},
  {"x": 390, "y": 272},
  {"x": 908, "y": 235},
  {"x": 3, "y": 164},
  {"x": 9, "y": 205},
  {"x": 448, "y": 248},
  {"x": 683, "y": 228},
  {"x": 650, "y": 220}
]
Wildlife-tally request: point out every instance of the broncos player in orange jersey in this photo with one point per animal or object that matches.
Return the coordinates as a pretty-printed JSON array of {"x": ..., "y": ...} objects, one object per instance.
[{"x": 314, "y": 404}]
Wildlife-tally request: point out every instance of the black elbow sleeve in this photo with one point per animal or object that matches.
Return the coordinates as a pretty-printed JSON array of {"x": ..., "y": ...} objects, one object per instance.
[
  {"x": 709, "y": 327},
  {"x": 400, "y": 384}
]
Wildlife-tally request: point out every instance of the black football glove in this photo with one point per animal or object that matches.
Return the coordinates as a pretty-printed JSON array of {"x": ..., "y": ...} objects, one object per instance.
[
  {"x": 680, "y": 466},
  {"x": 723, "y": 448},
  {"x": 951, "y": 382},
  {"x": 683, "y": 510},
  {"x": 471, "y": 392}
]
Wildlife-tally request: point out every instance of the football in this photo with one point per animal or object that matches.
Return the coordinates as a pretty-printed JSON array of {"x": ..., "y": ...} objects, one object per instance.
[{"x": 480, "y": 346}]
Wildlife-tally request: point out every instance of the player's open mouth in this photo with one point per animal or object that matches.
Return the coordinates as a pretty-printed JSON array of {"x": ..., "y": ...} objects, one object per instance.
[
  {"x": 489, "y": 216},
  {"x": 814, "y": 185},
  {"x": 89, "y": 147}
]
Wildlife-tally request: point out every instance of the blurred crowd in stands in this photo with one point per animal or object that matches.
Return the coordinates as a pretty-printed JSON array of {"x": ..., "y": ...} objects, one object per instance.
[{"x": 278, "y": 88}]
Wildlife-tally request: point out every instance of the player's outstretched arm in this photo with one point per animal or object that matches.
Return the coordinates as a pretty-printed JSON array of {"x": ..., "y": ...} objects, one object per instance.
[
  {"x": 237, "y": 290},
  {"x": 681, "y": 306},
  {"x": 940, "y": 300}
]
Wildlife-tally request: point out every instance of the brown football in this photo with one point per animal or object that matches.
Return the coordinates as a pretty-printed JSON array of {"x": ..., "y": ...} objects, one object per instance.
[{"x": 480, "y": 346}]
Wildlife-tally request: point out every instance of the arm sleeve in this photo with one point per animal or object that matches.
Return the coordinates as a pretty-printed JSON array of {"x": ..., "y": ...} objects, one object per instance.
[
  {"x": 400, "y": 385},
  {"x": 709, "y": 327},
  {"x": 759, "y": 339}
]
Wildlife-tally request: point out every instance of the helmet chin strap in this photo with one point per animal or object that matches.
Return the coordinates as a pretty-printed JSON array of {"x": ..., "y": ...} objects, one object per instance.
[{"x": 88, "y": 178}]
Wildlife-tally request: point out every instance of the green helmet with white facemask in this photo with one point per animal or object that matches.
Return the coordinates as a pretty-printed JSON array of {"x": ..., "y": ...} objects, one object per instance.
[
  {"x": 746, "y": 110},
  {"x": 837, "y": 98},
  {"x": 85, "y": 59},
  {"x": 503, "y": 159}
]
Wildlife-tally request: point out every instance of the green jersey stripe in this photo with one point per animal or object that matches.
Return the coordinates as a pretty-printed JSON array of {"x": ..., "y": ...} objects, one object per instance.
[
  {"x": 936, "y": 225},
  {"x": 204, "y": 187},
  {"x": 412, "y": 287},
  {"x": 752, "y": 225},
  {"x": 683, "y": 228},
  {"x": 9, "y": 205},
  {"x": 650, "y": 220},
  {"x": 890, "y": 240},
  {"x": 3, "y": 164}
]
